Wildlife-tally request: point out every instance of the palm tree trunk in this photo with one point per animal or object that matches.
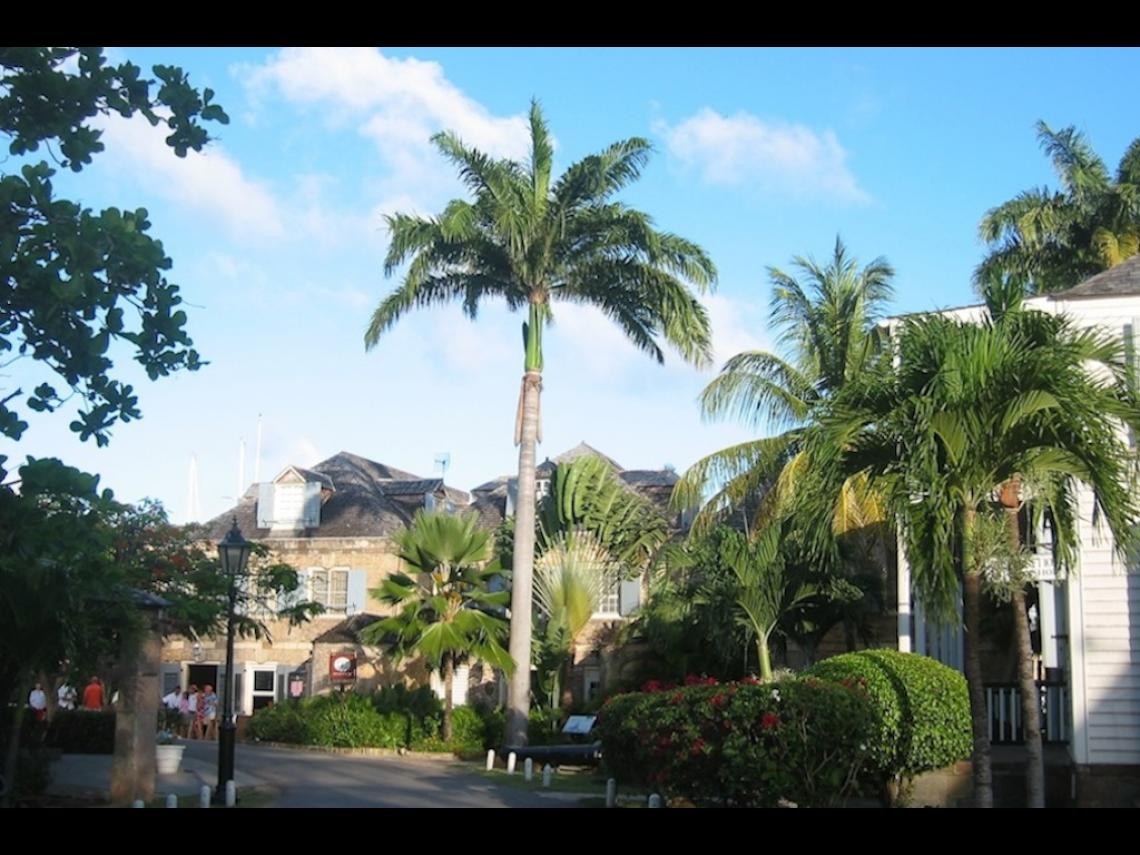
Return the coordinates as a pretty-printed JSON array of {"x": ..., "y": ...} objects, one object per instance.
[
  {"x": 765, "y": 658},
  {"x": 983, "y": 772},
  {"x": 972, "y": 608},
  {"x": 448, "y": 681},
  {"x": 522, "y": 583},
  {"x": 1030, "y": 702}
]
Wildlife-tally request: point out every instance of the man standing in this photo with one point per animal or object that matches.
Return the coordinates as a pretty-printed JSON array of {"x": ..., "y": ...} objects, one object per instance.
[
  {"x": 93, "y": 695},
  {"x": 37, "y": 700},
  {"x": 66, "y": 696}
]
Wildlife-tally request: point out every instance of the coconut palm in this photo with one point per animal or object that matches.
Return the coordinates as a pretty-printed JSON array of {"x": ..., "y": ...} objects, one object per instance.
[
  {"x": 959, "y": 410},
  {"x": 446, "y": 610},
  {"x": 827, "y": 328},
  {"x": 532, "y": 241},
  {"x": 1058, "y": 238}
]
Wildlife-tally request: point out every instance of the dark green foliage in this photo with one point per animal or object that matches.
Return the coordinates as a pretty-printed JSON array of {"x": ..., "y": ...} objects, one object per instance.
[
  {"x": 73, "y": 281},
  {"x": 420, "y": 703},
  {"x": 742, "y": 744},
  {"x": 922, "y": 709},
  {"x": 392, "y": 718},
  {"x": 82, "y": 732},
  {"x": 349, "y": 721},
  {"x": 284, "y": 722}
]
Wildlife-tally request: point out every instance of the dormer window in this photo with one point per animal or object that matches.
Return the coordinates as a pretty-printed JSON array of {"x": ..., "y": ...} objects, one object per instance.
[
  {"x": 292, "y": 501},
  {"x": 429, "y": 502},
  {"x": 541, "y": 488}
]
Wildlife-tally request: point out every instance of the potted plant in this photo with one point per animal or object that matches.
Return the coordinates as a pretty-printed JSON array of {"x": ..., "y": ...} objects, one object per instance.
[{"x": 168, "y": 752}]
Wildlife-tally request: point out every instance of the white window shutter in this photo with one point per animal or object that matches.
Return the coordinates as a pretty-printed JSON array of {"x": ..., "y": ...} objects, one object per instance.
[
  {"x": 312, "y": 506},
  {"x": 629, "y": 596},
  {"x": 357, "y": 591},
  {"x": 265, "y": 505}
]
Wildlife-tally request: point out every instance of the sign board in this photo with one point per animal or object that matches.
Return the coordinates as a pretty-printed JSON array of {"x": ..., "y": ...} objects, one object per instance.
[
  {"x": 579, "y": 724},
  {"x": 342, "y": 667},
  {"x": 297, "y": 680}
]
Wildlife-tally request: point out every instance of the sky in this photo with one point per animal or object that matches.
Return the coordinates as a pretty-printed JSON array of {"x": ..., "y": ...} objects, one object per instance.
[{"x": 277, "y": 236}]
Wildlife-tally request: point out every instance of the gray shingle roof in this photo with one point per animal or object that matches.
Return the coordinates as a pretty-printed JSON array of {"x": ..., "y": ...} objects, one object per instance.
[
  {"x": 649, "y": 477},
  {"x": 371, "y": 499},
  {"x": 1120, "y": 281}
]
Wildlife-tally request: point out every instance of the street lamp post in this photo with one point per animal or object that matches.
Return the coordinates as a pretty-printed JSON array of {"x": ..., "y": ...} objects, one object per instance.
[{"x": 234, "y": 554}]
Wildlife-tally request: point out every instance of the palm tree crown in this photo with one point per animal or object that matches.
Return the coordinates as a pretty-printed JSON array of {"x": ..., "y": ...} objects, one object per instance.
[
  {"x": 827, "y": 326},
  {"x": 1056, "y": 239}
]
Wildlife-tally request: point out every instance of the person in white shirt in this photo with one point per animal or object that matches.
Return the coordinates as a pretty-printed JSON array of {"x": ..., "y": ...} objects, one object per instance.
[
  {"x": 37, "y": 700},
  {"x": 66, "y": 697},
  {"x": 173, "y": 700}
]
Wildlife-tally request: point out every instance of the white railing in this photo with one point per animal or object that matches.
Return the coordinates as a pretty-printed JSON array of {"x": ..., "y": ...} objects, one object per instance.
[{"x": 1003, "y": 712}]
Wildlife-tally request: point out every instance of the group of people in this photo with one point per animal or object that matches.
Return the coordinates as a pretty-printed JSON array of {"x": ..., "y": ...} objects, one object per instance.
[
  {"x": 66, "y": 698},
  {"x": 198, "y": 711}
]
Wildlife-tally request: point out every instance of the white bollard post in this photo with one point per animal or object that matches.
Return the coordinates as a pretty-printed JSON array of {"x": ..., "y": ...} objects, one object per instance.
[
  {"x": 528, "y": 769},
  {"x": 137, "y": 803},
  {"x": 655, "y": 801},
  {"x": 204, "y": 797},
  {"x": 490, "y": 759},
  {"x": 547, "y": 774},
  {"x": 231, "y": 793},
  {"x": 611, "y": 792},
  {"x": 511, "y": 763},
  {"x": 172, "y": 801}
]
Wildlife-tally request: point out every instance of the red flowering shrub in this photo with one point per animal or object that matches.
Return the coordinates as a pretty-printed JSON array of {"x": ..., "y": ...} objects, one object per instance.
[{"x": 741, "y": 744}]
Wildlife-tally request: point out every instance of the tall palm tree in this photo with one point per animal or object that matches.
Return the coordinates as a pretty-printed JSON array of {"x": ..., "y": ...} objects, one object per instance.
[
  {"x": 1058, "y": 238},
  {"x": 958, "y": 410},
  {"x": 446, "y": 609},
  {"x": 827, "y": 328},
  {"x": 532, "y": 241}
]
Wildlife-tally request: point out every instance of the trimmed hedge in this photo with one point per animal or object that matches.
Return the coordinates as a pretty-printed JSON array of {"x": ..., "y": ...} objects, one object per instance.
[
  {"x": 354, "y": 721},
  {"x": 741, "y": 744},
  {"x": 82, "y": 732},
  {"x": 922, "y": 708}
]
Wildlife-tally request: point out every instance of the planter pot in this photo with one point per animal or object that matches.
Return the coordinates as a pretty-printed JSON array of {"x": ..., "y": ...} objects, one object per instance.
[{"x": 169, "y": 758}]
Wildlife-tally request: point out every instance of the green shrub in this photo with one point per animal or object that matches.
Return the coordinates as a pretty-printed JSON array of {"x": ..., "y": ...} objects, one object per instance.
[
  {"x": 420, "y": 703},
  {"x": 922, "y": 708},
  {"x": 741, "y": 743},
  {"x": 283, "y": 722},
  {"x": 544, "y": 727},
  {"x": 350, "y": 721},
  {"x": 82, "y": 732}
]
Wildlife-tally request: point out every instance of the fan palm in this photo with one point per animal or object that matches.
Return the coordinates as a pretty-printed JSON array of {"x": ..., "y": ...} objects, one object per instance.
[
  {"x": 445, "y": 608},
  {"x": 532, "y": 241}
]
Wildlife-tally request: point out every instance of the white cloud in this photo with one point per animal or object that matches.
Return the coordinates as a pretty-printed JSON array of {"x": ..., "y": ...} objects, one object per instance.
[
  {"x": 397, "y": 104},
  {"x": 785, "y": 158},
  {"x": 210, "y": 182},
  {"x": 400, "y": 102}
]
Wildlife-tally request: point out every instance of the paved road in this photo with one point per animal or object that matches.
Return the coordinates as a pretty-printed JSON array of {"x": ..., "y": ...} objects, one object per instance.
[{"x": 315, "y": 779}]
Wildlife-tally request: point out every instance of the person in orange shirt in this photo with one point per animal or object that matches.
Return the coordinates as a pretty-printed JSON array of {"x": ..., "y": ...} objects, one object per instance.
[{"x": 93, "y": 695}]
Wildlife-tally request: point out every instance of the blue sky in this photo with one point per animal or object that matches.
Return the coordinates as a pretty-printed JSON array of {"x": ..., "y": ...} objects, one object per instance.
[{"x": 277, "y": 234}]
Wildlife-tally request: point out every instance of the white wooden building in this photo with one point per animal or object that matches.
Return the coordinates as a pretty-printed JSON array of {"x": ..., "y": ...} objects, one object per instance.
[{"x": 1089, "y": 621}]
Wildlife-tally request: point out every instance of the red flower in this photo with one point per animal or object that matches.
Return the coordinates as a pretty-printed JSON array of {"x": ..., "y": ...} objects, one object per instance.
[
  {"x": 770, "y": 721},
  {"x": 717, "y": 701},
  {"x": 678, "y": 697},
  {"x": 750, "y": 681},
  {"x": 698, "y": 747},
  {"x": 651, "y": 686}
]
